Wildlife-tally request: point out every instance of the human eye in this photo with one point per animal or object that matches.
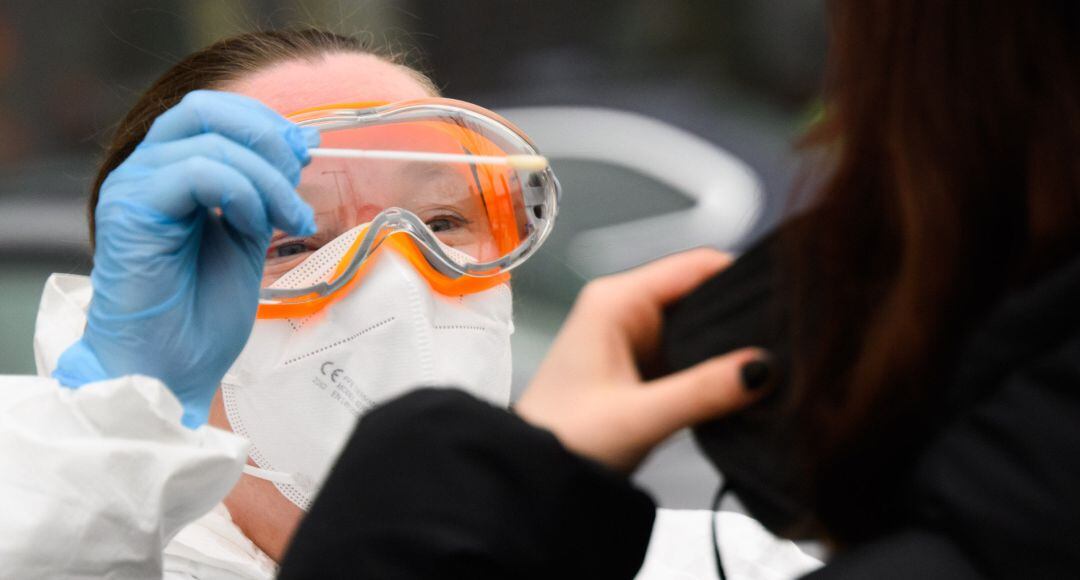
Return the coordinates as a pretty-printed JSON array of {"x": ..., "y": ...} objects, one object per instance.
[
  {"x": 289, "y": 248},
  {"x": 445, "y": 222}
]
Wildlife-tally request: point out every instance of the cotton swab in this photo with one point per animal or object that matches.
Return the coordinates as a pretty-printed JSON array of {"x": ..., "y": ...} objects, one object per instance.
[{"x": 522, "y": 162}]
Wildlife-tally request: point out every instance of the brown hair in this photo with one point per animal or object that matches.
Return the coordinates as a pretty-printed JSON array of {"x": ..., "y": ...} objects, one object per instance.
[
  {"x": 953, "y": 132},
  {"x": 225, "y": 60}
]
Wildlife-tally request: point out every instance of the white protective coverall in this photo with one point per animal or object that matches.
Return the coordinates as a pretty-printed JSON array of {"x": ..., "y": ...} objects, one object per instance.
[{"x": 104, "y": 481}]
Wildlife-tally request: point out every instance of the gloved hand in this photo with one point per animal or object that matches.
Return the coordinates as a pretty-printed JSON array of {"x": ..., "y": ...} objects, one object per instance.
[{"x": 183, "y": 227}]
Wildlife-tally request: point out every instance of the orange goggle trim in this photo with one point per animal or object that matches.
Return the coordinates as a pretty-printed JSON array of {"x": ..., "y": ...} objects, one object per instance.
[{"x": 401, "y": 242}]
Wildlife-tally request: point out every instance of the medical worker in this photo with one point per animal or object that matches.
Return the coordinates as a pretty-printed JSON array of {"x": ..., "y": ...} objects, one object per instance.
[
  {"x": 259, "y": 282},
  {"x": 198, "y": 209}
]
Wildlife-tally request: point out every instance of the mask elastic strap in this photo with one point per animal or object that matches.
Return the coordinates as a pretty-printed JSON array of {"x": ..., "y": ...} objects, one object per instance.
[
  {"x": 271, "y": 476},
  {"x": 720, "y": 493}
]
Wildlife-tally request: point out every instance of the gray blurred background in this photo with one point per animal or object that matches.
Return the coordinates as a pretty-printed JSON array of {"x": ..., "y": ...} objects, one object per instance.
[{"x": 741, "y": 76}]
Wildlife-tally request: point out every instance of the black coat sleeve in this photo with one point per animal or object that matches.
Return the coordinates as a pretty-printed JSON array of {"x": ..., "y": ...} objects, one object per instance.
[
  {"x": 437, "y": 484},
  {"x": 997, "y": 495},
  {"x": 904, "y": 555},
  {"x": 1004, "y": 480}
]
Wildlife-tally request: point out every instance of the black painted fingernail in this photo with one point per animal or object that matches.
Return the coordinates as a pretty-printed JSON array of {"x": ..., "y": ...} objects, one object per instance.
[{"x": 756, "y": 374}]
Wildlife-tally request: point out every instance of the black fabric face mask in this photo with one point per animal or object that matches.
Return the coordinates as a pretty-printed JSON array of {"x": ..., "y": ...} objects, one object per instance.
[
  {"x": 755, "y": 450},
  {"x": 757, "y": 460}
]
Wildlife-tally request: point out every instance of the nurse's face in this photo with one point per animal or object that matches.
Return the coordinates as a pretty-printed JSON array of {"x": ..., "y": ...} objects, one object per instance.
[
  {"x": 345, "y": 78},
  {"x": 265, "y": 516}
]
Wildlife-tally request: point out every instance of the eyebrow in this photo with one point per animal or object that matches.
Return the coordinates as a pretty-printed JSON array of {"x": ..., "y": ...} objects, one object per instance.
[
  {"x": 424, "y": 168},
  {"x": 429, "y": 171},
  {"x": 441, "y": 168}
]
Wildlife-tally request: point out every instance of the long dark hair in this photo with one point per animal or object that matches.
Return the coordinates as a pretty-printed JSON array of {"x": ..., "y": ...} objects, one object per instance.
[
  {"x": 217, "y": 64},
  {"x": 952, "y": 134}
]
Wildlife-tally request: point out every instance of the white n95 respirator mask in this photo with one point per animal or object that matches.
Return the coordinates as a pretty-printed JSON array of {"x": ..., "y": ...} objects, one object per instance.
[{"x": 300, "y": 384}]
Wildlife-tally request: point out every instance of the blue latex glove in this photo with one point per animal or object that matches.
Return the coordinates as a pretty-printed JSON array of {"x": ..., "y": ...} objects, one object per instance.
[{"x": 183, "y": 227}]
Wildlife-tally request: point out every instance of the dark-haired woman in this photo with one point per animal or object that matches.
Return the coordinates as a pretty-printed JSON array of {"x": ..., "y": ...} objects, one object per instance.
[{"x": 917, "y": 406}]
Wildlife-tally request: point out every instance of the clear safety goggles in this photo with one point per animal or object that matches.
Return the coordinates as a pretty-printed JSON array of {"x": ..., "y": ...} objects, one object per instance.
[{"x": 458, "y": 190}]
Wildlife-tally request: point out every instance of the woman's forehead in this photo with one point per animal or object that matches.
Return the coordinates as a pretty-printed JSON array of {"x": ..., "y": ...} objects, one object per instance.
[{"x": 336, "y": 78}]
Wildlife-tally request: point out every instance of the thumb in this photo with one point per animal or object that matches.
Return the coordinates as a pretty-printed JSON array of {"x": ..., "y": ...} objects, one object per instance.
[{"x": 713, "y": 388}]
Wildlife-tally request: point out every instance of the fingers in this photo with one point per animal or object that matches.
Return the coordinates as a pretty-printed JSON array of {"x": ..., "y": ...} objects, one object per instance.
[
  {"x": 286, "y": 210},
  {"x": 241, "y": 119},
  {"x": 632, "y": 302},
  {"x": 198, "y": 182},
  {"x": 714, "y": 388},
  {"x": 668, "y": 279}
]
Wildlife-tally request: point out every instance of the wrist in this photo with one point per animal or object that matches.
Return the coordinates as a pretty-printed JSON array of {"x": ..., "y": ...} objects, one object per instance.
[
  {"x": 196, "y": 410},
  {"x": 79, "y": 365}
]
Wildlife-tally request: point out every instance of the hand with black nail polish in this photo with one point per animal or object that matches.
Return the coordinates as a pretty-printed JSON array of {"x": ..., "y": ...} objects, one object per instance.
[{"x": 589, "y": 391}]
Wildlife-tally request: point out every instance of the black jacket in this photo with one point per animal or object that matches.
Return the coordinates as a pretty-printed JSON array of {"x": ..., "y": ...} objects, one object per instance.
[{"x": 439, "y": 485}]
